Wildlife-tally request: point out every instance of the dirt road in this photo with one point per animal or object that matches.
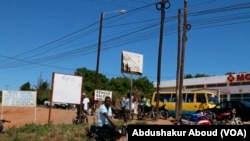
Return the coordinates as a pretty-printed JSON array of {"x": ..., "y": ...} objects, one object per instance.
[{"x": 20, "y": 116}]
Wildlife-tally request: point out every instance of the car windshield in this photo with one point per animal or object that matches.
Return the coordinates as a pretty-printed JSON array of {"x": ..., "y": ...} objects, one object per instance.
[{"x": 212, "y": 99}]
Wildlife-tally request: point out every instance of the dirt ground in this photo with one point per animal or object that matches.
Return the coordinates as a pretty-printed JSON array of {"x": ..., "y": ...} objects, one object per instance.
[{"x": 20, "y": 116}]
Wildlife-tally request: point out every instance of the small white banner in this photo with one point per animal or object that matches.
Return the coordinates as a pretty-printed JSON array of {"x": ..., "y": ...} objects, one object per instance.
[{"x": 101, "y": 94}]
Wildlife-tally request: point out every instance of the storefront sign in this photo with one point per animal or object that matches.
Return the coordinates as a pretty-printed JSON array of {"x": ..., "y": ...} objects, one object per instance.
[{"x": 239, "y": 77}]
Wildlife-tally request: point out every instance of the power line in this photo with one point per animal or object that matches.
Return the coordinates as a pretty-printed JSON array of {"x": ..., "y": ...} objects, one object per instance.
[{"x": 63, "y": 48}]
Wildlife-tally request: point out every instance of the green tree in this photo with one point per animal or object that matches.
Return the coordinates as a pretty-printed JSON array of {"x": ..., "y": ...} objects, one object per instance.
[
  {"x": 43, "y": 90},
  {"x": 89, "y": 79},
  {"x": 188, "y": 76},
  {"x": 143, "y": 86},
  {"x": 25, "y": 87},
  {"x": 200, "y": 75},
  {"x": 228, "y": 73},
  {"x": 120, "y": 85}
]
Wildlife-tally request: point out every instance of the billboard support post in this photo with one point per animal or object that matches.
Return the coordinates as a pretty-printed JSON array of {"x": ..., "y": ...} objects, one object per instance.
[{"x": 131, "y": 63}]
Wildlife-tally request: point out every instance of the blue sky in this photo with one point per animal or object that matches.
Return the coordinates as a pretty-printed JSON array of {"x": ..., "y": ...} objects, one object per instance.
[{"x": 39, "y": 37}]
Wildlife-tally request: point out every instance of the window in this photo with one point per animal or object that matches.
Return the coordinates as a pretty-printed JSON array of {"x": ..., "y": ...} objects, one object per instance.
[
  {"x": 184, "y": 95},
  {"x": 223, "y": 97},
  {"x": 246, "y": 97},
  {"x": 236, "y": 97},
  {"x": 190, "y": 98},
  {"x": 235, "y": 84},
  {"x": 211, "y": 85},
  {"x": 200, "y": 97},
  {"x": 212, "y": 99},
  {"x": 190, "y": 87},
  {"x": 245, "y": 83},
  {"x": 199, "y": 86},
  {"x": 221, "y": 84},
  {"x": 173, "y": 99},
  {"x": 166, "y": 97},
  {"x": 163, "y": 98}
]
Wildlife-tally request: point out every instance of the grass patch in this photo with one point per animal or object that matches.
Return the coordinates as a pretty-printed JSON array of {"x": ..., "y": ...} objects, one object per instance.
[
  {"x": 52, "y": 132},
  {"x": 32, "y": 132}
]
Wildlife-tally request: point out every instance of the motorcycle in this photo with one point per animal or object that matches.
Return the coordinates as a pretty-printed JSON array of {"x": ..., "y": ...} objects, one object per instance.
[
  {"x": 118, "y": 113},
  {"x": 147, "y": 112},
  {"x": 227, "y": 118},
  {"x": 80, "y": 119},
  {"x": 103, "y": 134},
  {"x": 163, "y": 112},
  {"x": 1, "y": 124},
  {"x": 122, "y": 114},
  {"x": 199, "y": 118}
]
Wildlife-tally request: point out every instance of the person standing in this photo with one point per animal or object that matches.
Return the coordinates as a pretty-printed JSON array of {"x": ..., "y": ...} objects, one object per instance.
[
  {"x": 85, "y": 103},
  {"x": 129, "y": 107},
  {"x": 123, "y": 103},
  {"x": 92, "y": 104}
]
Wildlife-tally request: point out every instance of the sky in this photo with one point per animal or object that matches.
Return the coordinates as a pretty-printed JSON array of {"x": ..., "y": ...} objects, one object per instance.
[{"x": 39, "y": 37}]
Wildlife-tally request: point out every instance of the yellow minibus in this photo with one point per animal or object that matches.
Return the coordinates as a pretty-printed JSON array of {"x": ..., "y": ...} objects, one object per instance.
[{"x": 191, "y": 101}]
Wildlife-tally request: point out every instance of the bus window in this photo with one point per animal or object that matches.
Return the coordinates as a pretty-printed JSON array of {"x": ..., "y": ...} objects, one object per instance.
[
  {"x": 173, "y": 98},
  {"x": 212, "y": 99},
  {"x": 184, "y": 97},
  {"x": 167, "y": 97},
  {"x": 161, "y": 98},
  {"x": 190, "y": 98},
  {"x": 164, "y": 97},
  {"x": 155, "y": 99},
  {"x": 200, "y": 97}
]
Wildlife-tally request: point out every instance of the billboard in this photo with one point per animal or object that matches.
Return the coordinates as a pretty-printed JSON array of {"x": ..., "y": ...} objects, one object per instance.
[
  {"x": 131, "y": 63},
  {"x": 67, "y": 88}
]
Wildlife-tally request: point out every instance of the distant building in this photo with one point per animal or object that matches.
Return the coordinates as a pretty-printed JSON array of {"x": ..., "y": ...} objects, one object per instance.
[{"x": 228, "y": 87}]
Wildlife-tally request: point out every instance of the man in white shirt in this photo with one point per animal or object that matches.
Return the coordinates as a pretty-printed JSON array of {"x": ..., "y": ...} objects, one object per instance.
[
  {"x": 104, "y": 118},
  {"x": 85, "y": 103},
  {"x": 104, "y": 115},
  {"x": 129, "y": 107}
]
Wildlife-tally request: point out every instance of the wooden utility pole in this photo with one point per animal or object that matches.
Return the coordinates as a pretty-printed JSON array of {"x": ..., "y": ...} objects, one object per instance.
[
  {"x": 160, "y": 6},
  {"x": 177, "y": 112},
  {"x": 184, "y": 39}
]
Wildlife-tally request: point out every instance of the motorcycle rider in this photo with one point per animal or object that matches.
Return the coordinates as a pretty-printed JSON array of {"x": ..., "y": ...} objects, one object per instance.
[
  {"x": 104, "y": 117},
  {"x": 145, "y": 103}
]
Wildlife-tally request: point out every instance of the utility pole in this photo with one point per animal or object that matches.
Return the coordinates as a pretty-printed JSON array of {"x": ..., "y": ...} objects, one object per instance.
[
  {"x": 160, "y": 6},
  {"x": 100, "y": 43},
  {"x": 98, "y": 51},
  {"x": 184, "y": 39},
  {"x": 178, "y": 67}
]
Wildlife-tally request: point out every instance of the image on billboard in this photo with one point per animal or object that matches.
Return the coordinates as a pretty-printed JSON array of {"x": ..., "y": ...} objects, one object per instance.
[{"x": 131, "y": 63}]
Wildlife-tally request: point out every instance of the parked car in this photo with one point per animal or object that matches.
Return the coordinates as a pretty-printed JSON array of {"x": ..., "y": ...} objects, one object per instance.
[
  {"x": 59, "y": 105},
  {"x": 242, "y": 109}
]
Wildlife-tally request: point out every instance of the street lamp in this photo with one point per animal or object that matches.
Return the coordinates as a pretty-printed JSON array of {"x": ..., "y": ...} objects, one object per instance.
[{"x": 99, "y": 43}]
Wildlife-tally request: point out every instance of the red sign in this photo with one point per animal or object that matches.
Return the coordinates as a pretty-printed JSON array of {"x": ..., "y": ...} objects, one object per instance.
[{"x": 239, "y": 77}]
